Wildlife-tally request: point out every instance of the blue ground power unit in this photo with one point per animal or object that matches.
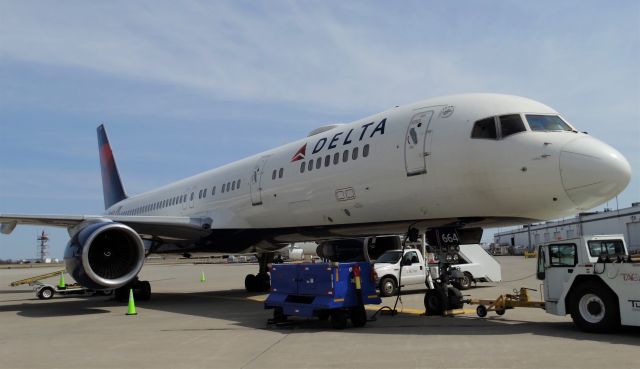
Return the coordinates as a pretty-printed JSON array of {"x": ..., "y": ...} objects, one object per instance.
[{"x": 336, "y": 291}]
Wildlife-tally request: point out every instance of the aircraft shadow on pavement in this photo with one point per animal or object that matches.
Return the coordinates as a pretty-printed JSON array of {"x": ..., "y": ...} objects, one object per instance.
[{"x": 237, "y": 307}]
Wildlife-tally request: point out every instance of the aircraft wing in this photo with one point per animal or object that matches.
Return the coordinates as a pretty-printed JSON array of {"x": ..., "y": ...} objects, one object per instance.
[{"x": 168, "y": 227}]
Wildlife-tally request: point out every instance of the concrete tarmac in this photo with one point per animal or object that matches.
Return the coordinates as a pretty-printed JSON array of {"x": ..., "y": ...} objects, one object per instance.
[{"x": 215, "y": 324}]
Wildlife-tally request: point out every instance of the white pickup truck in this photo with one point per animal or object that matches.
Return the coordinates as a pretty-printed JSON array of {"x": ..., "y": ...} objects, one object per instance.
[
  {"x": 594, "y": 279},
  {"x": 474, "y": 262}
]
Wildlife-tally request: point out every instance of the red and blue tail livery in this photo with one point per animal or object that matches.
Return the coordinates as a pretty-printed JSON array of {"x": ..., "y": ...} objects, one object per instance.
[{"x": 111, "y": 184}]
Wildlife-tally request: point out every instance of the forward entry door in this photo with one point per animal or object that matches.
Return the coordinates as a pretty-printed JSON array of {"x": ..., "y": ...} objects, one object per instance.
[
  {"x": 255, "y": 183},
  {"x": 416, "y": 143}
]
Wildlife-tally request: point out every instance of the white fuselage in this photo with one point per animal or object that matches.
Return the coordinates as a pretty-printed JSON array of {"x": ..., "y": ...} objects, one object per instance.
[{"x": 421, "y": 165}]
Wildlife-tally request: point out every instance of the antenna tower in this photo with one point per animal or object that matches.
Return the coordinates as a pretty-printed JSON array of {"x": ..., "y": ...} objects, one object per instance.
[{"x": 43, "y": 247}]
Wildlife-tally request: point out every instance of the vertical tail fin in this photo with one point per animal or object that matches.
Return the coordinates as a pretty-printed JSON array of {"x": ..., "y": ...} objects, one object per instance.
[{"x": 112, "y": 188}]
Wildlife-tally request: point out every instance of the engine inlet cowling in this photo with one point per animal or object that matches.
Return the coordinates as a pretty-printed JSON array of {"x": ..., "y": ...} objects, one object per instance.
[{"x": 104, "y": 255}]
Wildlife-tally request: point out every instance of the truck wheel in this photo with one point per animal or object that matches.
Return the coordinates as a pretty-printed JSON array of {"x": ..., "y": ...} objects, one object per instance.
[
  {"x": 481, "y": 310},
  {"x": 594, "y": 308},
  {"x": 45, "y": 293},
  {"x": 323, "y": 315},
  {"x": 278, "y": 315},
  {"x": 388, "y": 287},
  {"x": 434, "y": 302},
  {"x": 338, "y": 319},
  {"x": 465, "y": 282},
  {"x": 454, "y": 298},
  {"x": 358, "y": 316}
]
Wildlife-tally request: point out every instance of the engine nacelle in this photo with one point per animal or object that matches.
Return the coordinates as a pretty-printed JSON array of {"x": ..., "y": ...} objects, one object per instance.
[
  {"x": 357, "y": 249},
  {"x": 104, "y": 255}
]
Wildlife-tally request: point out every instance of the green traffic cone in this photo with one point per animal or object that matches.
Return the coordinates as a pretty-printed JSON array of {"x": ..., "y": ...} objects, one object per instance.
[
  {"x": 132, "y": 305},
  {"x": 61, "y": 283},
  {"x": 202, "y": 278}
]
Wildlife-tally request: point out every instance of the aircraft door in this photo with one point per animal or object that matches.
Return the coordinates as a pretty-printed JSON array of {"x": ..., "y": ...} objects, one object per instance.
[
  {"x": 415, "y": 143},
  {"x": 255, "y": 183}
]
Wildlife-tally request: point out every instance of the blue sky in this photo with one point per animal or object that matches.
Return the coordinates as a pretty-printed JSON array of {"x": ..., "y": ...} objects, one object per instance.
[{"x": 184, "y": 88}]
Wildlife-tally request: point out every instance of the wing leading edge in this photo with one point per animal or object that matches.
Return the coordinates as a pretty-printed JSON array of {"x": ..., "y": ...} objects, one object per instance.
[{"x": 186, "y": 228}]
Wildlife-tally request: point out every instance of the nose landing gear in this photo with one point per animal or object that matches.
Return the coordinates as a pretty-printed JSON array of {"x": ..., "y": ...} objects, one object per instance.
[{"x": 260, "y": 282}]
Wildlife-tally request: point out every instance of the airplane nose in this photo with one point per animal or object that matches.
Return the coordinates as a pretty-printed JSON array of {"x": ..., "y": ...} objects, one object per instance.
[{"x": 592, "y": 172}]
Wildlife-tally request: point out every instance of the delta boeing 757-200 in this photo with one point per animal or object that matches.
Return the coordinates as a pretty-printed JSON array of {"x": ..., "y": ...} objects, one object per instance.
[{"x": 458, "y": 164}]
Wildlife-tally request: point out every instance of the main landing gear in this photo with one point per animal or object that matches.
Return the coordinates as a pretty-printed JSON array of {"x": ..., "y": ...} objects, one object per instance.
[
  {"x": 141, "y": 291},
  {"x": 260, "y": 282}
]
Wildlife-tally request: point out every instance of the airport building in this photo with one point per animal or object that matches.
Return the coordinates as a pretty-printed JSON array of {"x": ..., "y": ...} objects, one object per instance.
[{"x": 623, "y": 221}]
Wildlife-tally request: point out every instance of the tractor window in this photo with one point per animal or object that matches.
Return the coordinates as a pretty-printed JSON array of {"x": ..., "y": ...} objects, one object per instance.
[
  {"x": 606, "y": 248},
  {"x": 541, "y": 269},
  {"x": 563, "y": 255}
]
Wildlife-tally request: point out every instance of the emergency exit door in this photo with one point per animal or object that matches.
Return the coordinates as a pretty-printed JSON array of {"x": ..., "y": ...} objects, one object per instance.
[{"x": 416, "y": 143}]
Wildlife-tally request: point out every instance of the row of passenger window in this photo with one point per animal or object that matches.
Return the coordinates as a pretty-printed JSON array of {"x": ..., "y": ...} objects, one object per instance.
[
  {"x": 327, "y": 160},
  {"x": 177, "y": 200},
  {"x": 277, "y": 173},
  {"x": 505, "y": 125},
  {"x": 226, "y": 187}
]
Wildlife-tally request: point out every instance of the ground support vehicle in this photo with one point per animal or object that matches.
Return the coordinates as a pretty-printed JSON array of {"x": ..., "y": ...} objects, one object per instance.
[
  {"x": 46, "y": 291},
  {"x": 336, "y": 291},
  {"x": 594, "y": 279},
  {"x": 519, "y": 298},
  {"x": 472, "y": 264}
]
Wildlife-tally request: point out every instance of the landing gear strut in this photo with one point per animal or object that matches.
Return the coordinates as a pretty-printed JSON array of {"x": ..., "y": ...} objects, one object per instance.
[
  {"x": 443, "y": 297},
  {"x": 262, "y": 281},
  {"x": 141, "y": 291}
]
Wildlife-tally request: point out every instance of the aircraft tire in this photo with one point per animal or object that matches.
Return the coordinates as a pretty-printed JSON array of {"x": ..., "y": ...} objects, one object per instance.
[
  {"x": 250, "y": 283},
  {"x": 434, "y": 302}
]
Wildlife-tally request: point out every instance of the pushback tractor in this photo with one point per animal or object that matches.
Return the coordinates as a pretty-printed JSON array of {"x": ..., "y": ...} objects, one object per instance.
[{"x": 594, "y": 279}]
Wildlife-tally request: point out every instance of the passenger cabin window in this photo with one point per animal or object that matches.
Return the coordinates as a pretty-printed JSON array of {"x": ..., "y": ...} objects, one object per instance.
[
  {"x": 280, "y": 174},
  {"x": 345, "y": 156},
  {"x": 233, "y": 185},
  {"x": 365, "y": 151},
  {"x": 510, "y": 124},
  {"x": 310, "y": 166},
  {"x": 336, "y": 158},
  {"x": 327, "y": 160},
  {"x": 485, "y": 128},
  {"x": 213, "y": 191},
  {"x": 273, "y": 175},
  {"x": 204, "y": 193},
  {"x": 318, "y": 163},
  {"x": 303, "y": 165},
  {"x": 547, "y": 123},
  {"x": 354, "y": 153},
  {"x": 238, "y": 185}
]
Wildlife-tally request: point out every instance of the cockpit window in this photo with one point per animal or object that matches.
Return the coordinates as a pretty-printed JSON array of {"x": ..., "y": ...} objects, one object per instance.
[
  {"x": 485, "y": 128},
  {"x": 547, "y": 123},
  {"x": 510, "y": 124}
]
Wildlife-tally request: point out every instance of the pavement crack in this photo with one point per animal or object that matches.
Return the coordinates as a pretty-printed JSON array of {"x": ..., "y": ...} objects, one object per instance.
[{"x": 264, "y": 351}]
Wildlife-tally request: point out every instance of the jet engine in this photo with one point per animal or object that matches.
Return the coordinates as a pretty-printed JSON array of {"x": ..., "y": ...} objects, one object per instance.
[
  {"x": 357, "y": 249},
  {"x": 104, "y": 255}
]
